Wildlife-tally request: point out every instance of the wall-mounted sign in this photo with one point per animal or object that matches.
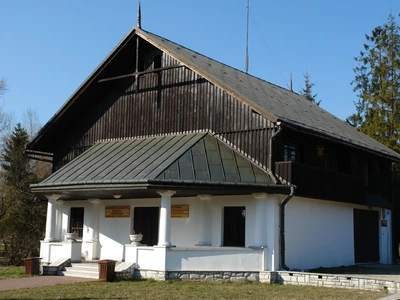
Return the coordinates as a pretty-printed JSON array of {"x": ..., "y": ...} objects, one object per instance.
[
  {"x": 384, "y": 223},
  {"x": 179, "y": 211},
  {"x": 118, "y": 212}
]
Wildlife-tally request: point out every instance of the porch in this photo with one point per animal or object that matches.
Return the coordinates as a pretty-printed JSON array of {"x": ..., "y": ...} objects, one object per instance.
[
  {"x": 199, "y": 239},
  {"x": 159, "y": 258}
]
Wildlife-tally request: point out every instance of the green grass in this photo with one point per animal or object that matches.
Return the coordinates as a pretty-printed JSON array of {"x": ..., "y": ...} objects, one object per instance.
[
  {"x": 12, "y": 272},
  {"x": 185, "y": 290}
]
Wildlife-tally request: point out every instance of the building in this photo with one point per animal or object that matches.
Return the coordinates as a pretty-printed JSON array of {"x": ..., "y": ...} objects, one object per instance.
[{"x": 219, "y": 170}]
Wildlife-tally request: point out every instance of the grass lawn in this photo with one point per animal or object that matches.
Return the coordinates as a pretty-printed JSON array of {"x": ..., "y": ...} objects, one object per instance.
[
  {"x": 12, "y": 272},
  {"x": 185, "y": 290}
]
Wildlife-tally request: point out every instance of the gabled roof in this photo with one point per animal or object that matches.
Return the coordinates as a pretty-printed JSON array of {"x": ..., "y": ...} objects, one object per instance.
[
  {"x": 271, "y": 101},
  {"x": 196, "y": 158}
]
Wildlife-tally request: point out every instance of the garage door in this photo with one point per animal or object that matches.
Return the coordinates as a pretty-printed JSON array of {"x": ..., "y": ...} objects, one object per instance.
[{"x": 366, "y": 236}]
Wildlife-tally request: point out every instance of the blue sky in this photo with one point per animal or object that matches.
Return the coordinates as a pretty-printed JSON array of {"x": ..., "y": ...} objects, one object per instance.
[{"x": 47, "y": 47}]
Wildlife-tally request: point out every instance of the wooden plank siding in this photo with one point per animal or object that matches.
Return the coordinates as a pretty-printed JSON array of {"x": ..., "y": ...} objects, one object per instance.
[
  {"x": 338, "y": 170},
  {"x": 174, "y": 100}
]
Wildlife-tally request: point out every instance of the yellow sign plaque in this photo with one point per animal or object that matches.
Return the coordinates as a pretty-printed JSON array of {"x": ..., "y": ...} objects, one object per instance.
[
  {"x": 118, "y": 212},
  {"x": 179, "y": 211}
]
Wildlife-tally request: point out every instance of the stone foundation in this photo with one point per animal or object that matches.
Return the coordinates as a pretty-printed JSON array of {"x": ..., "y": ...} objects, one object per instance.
[
  {"x": 278, "y": 277},
  {"x": 125, "y": 271},
  {"x": 330, "y": 280},
  {"x": 55, "y": 267},
  {"x": 197, "y": 275}
]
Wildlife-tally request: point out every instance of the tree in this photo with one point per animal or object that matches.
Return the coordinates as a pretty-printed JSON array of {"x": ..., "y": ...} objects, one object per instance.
[
  {"x": 306, "y": 92},
  {"x": 3, "y": 86},
  {"x": 22, "y": 218},
  {"x": 5, "y": 118},
  {"x": 377, "y": 84},
  {"x": 31, "y": 122}
]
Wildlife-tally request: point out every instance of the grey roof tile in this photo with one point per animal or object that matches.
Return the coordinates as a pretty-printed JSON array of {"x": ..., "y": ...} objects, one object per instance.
[{"x": 268, "y": 99}]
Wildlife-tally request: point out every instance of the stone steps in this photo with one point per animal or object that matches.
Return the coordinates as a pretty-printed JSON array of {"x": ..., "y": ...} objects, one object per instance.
[{"x": 84, "y": 270}]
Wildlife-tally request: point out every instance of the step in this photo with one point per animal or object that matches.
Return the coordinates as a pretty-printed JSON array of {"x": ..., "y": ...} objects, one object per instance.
[
  {"x": 84, "y": 267},
  {"x": 84, "y": 270},
  {"x": 72, "y": 273}
]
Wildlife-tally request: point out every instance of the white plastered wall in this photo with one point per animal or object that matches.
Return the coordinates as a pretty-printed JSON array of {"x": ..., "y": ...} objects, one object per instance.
[
  {"x": 114, "y": 232},
  {"x": 318, "y": 233},
  {"x": 321, "y": 234}
]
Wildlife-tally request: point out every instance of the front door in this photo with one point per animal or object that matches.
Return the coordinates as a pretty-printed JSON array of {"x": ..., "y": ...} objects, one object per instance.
[
  {"x": 366, "y": 236},
  {"x": 145, "y": 221},
  {"x": 234, "y": 226}
]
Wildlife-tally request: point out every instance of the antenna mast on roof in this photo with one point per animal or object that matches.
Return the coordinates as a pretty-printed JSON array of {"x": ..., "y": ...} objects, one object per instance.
[
  {"x": 247, "y": 40},
  {"x": 291, "y": 82},
  {"x": 139, "y": 17}
]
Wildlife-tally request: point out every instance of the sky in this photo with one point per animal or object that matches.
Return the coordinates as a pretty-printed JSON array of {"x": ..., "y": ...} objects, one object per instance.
[{"x": 48, "y": 48}]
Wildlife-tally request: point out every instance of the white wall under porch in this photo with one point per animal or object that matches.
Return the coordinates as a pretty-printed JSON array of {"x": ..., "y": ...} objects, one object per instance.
[{"x": 202, "y": 258}]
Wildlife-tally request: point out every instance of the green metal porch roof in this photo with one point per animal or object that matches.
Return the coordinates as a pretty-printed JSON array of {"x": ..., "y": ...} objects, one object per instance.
[{"x": 197, "y": 158}]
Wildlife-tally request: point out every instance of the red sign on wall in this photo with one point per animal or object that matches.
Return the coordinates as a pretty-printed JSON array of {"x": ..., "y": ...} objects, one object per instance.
[{"x": 384, "y": 223}]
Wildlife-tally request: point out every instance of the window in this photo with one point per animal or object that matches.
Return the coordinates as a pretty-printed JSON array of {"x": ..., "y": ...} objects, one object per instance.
[{"x": 289, "y": 152}]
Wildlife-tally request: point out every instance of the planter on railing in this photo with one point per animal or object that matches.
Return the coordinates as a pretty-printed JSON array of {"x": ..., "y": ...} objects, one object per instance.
[
  {"x": 136, "y": 239},
  {"x": 71, "y": 236}
]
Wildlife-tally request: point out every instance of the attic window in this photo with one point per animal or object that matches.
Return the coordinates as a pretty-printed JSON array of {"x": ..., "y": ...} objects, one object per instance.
[{"x": 157, "y": 62}]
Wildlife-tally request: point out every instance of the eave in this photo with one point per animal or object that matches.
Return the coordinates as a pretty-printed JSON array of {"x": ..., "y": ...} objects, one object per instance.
[{"x": 149, "y": 188}]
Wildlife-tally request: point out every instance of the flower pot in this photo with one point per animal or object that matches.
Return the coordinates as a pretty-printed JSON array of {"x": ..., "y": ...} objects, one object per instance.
[
  {"x": 71, "y": 236},
  {"x": 135, "y": 239}
]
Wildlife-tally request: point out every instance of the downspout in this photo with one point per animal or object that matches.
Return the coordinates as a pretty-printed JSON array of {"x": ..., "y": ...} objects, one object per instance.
[
  {"x": 282, "y": 227},
  {"x": 283, "y": 204},
  {"x": 271, "y": 138}
]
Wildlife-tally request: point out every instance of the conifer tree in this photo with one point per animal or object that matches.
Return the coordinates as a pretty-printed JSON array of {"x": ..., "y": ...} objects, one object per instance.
[
  {"x": 306, "y": 92},
  {"x": 22, "y": 218},
  {"x": 377, "y": 83}
]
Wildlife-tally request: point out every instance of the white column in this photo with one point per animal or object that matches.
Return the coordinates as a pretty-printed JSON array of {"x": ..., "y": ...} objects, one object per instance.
[
  {"x": 59, "y": 213},
  {"x": 164, "y": 231},
  {"x": 260, "y": 219},
  {"x": 93, "y": 233},
  {"x": 205, "y": 221},
  {"x": 51, "y": 218},
  {"x": 272, "y": 219}
]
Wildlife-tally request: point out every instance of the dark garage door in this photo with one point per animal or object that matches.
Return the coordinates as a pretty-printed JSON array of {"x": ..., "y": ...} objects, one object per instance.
[{"x": 366, "y": 236}]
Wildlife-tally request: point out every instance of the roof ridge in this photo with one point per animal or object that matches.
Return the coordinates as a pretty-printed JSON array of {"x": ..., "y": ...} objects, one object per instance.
[
  {"x": 158, "y": 135},
  {"x": 219, "y": 62}
]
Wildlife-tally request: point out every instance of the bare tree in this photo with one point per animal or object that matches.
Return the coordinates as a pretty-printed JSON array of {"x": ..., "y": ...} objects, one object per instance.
[
  {"x": 31, "y": 122},
  {"x": 3, "y": 86},
  {"x": 6, "y": 119}
]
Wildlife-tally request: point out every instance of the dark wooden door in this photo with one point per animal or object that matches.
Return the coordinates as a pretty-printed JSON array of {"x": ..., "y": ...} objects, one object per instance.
[
  {"x": 234, "y": 226},
  {"x": 145, "y": 221},
  {"x": 366, "y": 236},
  {"x": 76, "y": 220}
]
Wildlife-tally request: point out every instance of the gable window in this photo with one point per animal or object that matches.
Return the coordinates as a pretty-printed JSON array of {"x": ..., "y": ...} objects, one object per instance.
[{"x": 290, "y": 152}]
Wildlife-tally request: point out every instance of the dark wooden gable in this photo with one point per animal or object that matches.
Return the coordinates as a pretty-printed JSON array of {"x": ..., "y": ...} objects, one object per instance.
[{"x": 164, "y": 97}]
